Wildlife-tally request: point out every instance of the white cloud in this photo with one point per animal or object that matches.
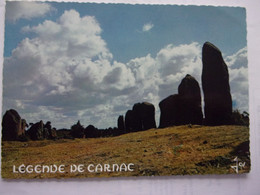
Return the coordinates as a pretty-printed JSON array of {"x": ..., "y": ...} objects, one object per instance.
[
  {"x": 175, "y": 62},
  {"x": 238, "y": 77},
  {"x": 159, "y": 77},
  {"x": 237, "y": 60},
  {"x": 67, "y": 66},
  {"x": 147, "y": 27},
  {"x": 26, "y": 10},
  {"x": 66, "y": 73}
]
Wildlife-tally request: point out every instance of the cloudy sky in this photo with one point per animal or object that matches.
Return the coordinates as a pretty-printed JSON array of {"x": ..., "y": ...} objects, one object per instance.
[{"x": 65, "y": 62}]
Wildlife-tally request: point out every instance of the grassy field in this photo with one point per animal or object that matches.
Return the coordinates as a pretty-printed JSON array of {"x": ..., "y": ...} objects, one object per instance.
[{"x": 170, "y": 151}]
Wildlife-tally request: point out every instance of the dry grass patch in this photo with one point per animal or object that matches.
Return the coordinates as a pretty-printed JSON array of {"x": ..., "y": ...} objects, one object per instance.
[{"x": 169, "y": 151}]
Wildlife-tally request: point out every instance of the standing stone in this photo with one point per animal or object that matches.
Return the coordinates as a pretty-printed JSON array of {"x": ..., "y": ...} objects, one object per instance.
[
  {"x": 184, "y": 107},
  {"x": 37, "y": 132},
  {"x": 91, "y": 132},
  {"x": 170, "y": 108},
  {"x": 121, "y": 123},
  {"x": 77, "y": 130},
  {"x": 145, "y": 115},
  {"x": 215, "y": 84},
  {"x": 190, "y": 101},
  {"x": 142, "y": 117},
  {"x": 52, "y": 133},
  {"x": 48, "y": 131},
  {"x": 23, "y": 126},
  {"x": 129, "y": 121},
  {"x": 137, "y": 112},
  {"x": 12, "y": 125},
  {"x": 48, "y": 125}
]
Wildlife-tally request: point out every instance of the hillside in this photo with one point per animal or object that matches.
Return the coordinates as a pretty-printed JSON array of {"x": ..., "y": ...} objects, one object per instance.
[{"x": 169, "y": 151}]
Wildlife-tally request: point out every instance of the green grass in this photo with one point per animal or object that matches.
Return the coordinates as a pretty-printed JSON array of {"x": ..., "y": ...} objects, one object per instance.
[{"x": 170, "y": 151}]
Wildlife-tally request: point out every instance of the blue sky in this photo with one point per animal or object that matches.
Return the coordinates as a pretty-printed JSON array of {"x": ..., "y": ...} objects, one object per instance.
[
  {"x": 92, "y": 62},
  {"x": 122, "y": 27}
]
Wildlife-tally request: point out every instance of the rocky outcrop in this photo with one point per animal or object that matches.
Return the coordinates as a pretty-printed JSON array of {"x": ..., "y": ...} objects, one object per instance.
[
  {"x": 142, "y": 117},
  {"x": 184, "y": 107},
  {"x": 12, "y": 125},
  {"x": 215, "y": 84}
]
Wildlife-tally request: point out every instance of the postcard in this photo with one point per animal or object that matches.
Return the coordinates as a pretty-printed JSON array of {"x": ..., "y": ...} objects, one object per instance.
[{"x": 111, "y": 90}]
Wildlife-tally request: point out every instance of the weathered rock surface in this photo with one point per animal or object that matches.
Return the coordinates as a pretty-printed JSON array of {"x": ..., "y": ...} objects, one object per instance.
[
  {"x": 12, "y": 125},
  {"x": 215, "y": 84}
]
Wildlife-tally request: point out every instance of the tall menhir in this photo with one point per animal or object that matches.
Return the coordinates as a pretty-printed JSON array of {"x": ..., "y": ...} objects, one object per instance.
[{"x": 215, "y": 84}]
